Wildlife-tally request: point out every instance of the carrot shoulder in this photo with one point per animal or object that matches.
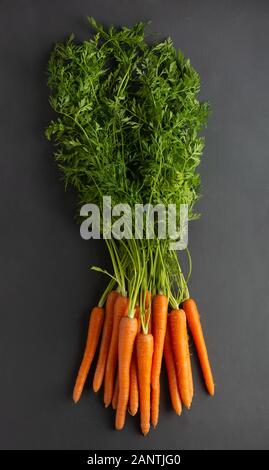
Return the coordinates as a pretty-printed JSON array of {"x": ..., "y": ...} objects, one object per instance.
[
  {"x": 195, "y": 326},
  {"x": 127, "y": 335},
  {"x": 159, "y": 320},
  {"x": 171, "y": 373},
  {"x": 105, "y": 341},
  {"x": 179, "y": 340},
  {"x": 94, "y": 330}
]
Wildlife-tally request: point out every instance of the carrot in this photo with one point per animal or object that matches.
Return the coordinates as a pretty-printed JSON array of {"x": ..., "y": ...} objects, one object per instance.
[
  {"x": 189, "y": 366},
  {"x": 120, "y": 308},
  {"x": 144, "y": 348},
  {"x": 127, "y": 334},
  {"x": 155, "y": 405},
  {"x": 134, "y": 392},
  {"x": 195, "y": 326},
  {"x": 94, "y": 330},
  {"x": 147, "y": 299},
  {"x": 179, "y": 340},
  {"x": 115, "y": 393},
  {"x": 171, "y": 373},
  {"x": 105, "y": 342},
  {"x": 160, "y": 305},
  {"x": 149, "y": 316},
  {"x": 137, "y": 316}
]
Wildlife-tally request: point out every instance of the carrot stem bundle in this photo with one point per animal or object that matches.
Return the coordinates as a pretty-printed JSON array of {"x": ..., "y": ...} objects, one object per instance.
[
  {"x": 105, "y": 341},
  {"x": 144, "y": 348},
  {"x": 195, "y": 326},
  {"x": 179, "y": 339},
  {"x": 171, "y": 373},
  {"x": 120, "y": 308},
  {"x": 127, "y": 334},
  {"x": 94, "y": 331}
]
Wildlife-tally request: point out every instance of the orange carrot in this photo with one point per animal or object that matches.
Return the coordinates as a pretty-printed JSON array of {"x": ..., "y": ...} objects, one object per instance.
[
  {"x": 137, "y": 316},
  {"x": 147, "y": 299},
  {"x": 171, "y": 373},
  {"x": 159, "y": 321},
  {"x": 134, "y": 392},
  {"x": 127, "y": 334},
  {"x": 94, "y": 330},
  {"x": 189, "y": 366},
  {"x": 155, "y": 405},
  {"x": 194, "y": 323},
  {"x": 115, "y": 393},
  {"x": 149, "y": 322},
  {"x": 120, "y": 308},
  {"x": 105, "y": 342},
  {"x": 144, "y": 348},
  {"x": 179, "y": 341}
]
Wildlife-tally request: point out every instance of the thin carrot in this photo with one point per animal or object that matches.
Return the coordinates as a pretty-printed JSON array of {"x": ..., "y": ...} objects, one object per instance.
[
  {"x": 159, "y": 320},
  {"x": 94, "y": 330},
  {"x": 149, "y": 317},
  {"x": 155, "y": 405},
  {"x": 134, "y": 392},
  {"x": 189, "y": 365},
  {"x": 195, "y": 326},
  {"x": 105, "y": 342},
  {"x": 179, "y": 341},
  {"x": 120, "y": 308},
  {"x": 115, "y": 393},
  {"x": 127, "y": 335},
  {"x": 171, "y": 373},
  {"x": 137, "y": 316},
  {"x": 147, "y": 299},
  {"x": 144, "y": 348}
]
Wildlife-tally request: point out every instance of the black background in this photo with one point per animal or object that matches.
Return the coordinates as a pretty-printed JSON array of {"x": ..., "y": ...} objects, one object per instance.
[{"x": 46, "y": 285}]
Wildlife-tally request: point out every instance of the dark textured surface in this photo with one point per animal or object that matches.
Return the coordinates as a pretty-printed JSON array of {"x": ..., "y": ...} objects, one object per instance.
[{"x": 46, "y": 285}]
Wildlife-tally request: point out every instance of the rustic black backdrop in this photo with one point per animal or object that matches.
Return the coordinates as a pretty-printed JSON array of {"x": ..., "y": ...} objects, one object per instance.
[{"x": 46, "y": 285}]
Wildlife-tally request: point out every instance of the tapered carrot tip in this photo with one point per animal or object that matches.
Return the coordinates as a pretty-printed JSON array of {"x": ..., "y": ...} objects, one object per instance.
[
  {"x": 145, "y": 429},
  {"x": 76, "y": 395}
]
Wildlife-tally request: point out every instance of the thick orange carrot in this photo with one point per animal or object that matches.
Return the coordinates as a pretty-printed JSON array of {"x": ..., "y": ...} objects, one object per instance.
[
  {"x": 115, "y": 393},
  {"x": 144, "y": 348},
  {"x": 155, "y": 405},
  {"x": 179, "y": 341},
  {"x": 105, "y": 342},
  {"x": 195, "y": 326},
  {"x": 94, "y": 330},
  {"x": 134, "y": 392},
  {"x": 120, "y": 309},
  {"x": 159, "y": 320},
  {"x": 171, "y": 373},
  {"x": 127, "y": 335}
]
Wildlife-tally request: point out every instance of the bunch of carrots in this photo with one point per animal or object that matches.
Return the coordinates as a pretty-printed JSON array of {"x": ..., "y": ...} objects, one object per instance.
[
  {"x": 128, "y": 122},
  {"x": 130, "y": 359}
]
